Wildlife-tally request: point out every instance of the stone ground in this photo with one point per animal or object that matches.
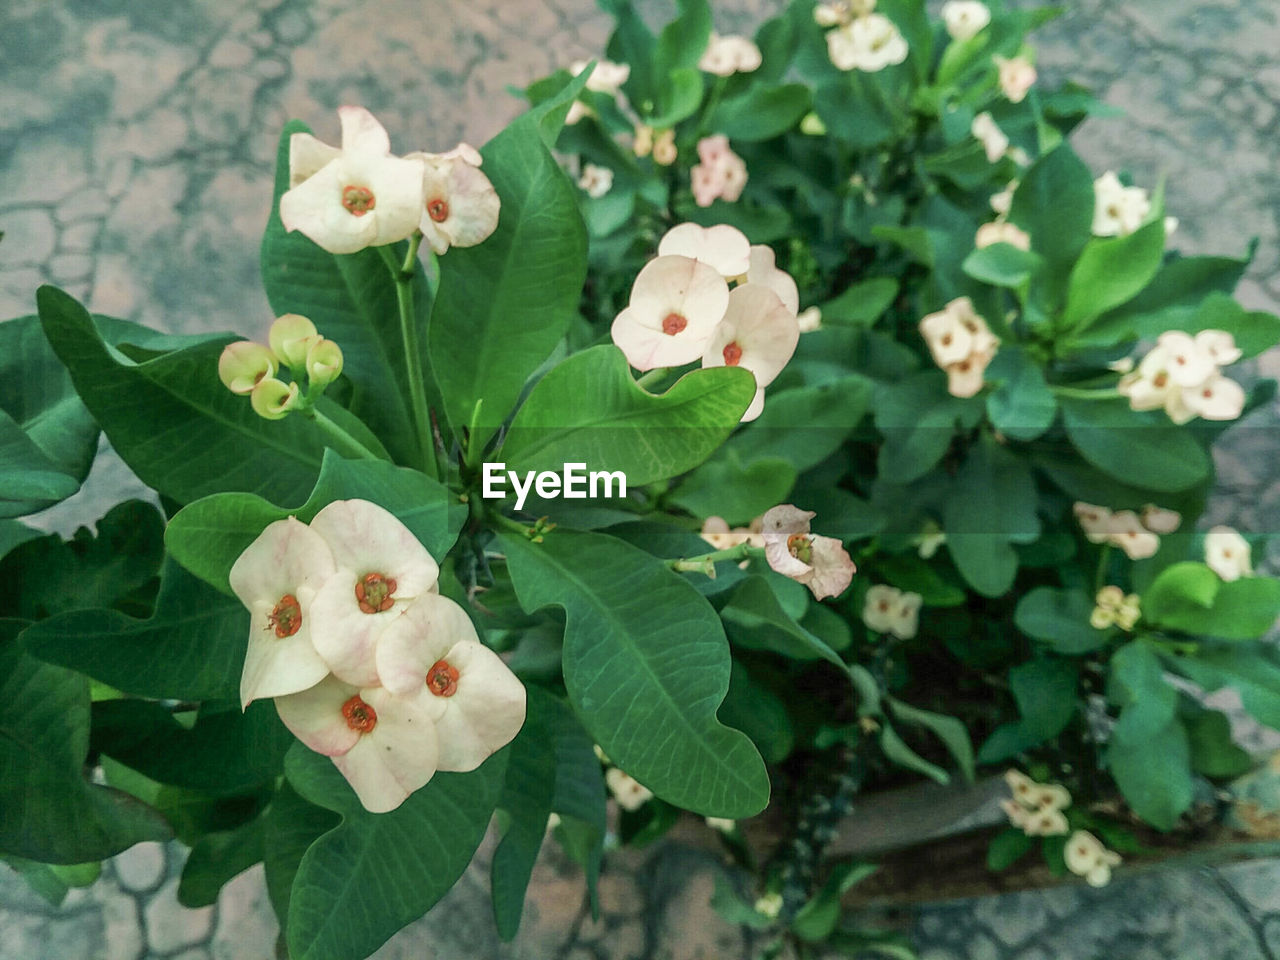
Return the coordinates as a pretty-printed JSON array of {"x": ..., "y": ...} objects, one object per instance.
[{"x": 136, "y": 144}]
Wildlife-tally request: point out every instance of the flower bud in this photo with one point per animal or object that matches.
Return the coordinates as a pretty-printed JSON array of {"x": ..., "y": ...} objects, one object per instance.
[
  {"x": 812, "y": 125},
  {"x": 243, "y": 364},
  {"x": 290, "y": 339},
  {"x": 324, "y": 363},
  {"x": 271, "y": 399}
]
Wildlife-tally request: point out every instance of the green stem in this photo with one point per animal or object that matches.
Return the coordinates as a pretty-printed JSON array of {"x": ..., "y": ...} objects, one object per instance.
[
  {"x": 1100, "y": 579},
  {"x": 403, "y": 274},
  {"x": 742, "y": 551},
  {"x": 653, "y": 376},
  {"x": 1087, "y": 393},
  {"x": 339, "y": 439}
]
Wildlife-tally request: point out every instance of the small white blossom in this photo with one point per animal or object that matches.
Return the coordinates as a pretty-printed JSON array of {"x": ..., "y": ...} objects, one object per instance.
[
  {"x": 629, "y": 792},
  {"x": 758, "y": 333},
  {"x": 992, "y": 138},
  {"x": 1001, "y": 231},
  {"x": 890, "y": 610},
  {"x": 1228, "y": 554},
  {"x": 1017, "y": 76},
  {"x": 595, "y": 181},
  {"x": 809, "y": 319},
  {"x": 675, "y": 307},
  {"x": 725, "y": 56},
  {"x": 961, "y": 344},
  {"x": 1118, "y": 210},
  {"x": 820, "y": 563},
  {"x": 965, "y": 19},
  {"x": 606, "y": 78},
  {"x": 870, "y": 43},
  {"x": 1002, "y": 202},
  {"x": 1088, "y": 858}
]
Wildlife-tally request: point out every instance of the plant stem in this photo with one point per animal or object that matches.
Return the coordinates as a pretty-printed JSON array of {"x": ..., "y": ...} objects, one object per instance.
[
  {"x": 742, "y": 551},
  {"x": 1100, "y": 579},
  {"x": 1087, "y": 393},
  {"x": 403, "y": 274},
  {"x": 653, "y": 376},
  {"x": 339, "y": 439}
]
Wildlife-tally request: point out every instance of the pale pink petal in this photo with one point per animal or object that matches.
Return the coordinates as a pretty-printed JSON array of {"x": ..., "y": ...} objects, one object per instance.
[
  {"x": 786, "y": 519},
  {"x": 833, "y": 569},
  {"x": 755, "y": 408},
  {"x": 1159, "y": 520},
  {"x": 485, "y": 712},
  {"x": 398, "y": 756},
  {"x": 362, "y": 133},
  {"x": 713, "y": 150},
  {"x": 758, "y": 333},
  {"x": 287, "y": 556},
  {"x": 315, "y": 717},
  {"x": 275, "y": 665},
  {"x": 764, "y": 269},
  {"x": 1128, "y": 533},
  {"x": 367, "y": 538},
  {"x": 672, "y": 293},
  {"x": 460, "y": 205},
  {"x": 948, "y": 339},
  {"x": 724, "y": 248},
  {"x": 705, "y": 182},
  {"x": 315, "y": 209},
  {"x": 422, "y": 634},
  {"x": 780, "y": 558},
  {"x": 966, "y": 378}
]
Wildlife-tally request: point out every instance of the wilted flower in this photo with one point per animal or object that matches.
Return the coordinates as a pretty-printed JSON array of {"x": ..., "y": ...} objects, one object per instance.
[
  {"x": 1118, "y": 210},
  {"x": 820, "y": 563},
  {"x": 1017, "y": 76},
  {"x": 992, "y": 138},
  {"x": 243, "y": 365},
  {"x": 460, "y": 206},
  {"x": 1001, "y": 231},
  {"x": 868, "y": 43},
  {"x": 964, "y": 19},
  {"x": 1088, "y": 858},
  {"x": 1228, "y": 554},
  {"x": 890, "y": 610},
  {"x": 629, "y": 792},
  {"x": 961, "y": 344},
  {"x": 722, "y": 247},
  {"x": 676, "y": 304},
  {"x": 728, "y": 55},
  {"x": 596, "y": 180}
]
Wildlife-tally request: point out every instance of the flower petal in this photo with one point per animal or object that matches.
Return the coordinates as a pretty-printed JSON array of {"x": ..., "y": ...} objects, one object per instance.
[
  {"x": 362, "y": 133},
  {"x": 286, "y": 557},
  {"x": 726, "y": 249},
  {"x": 315, "y": 717},
  {"x": 307, "y": 156},
  {"x": 397, "y": 757},
  {"x": 423, "y": 633},
  {"x": 315, "y": 209},
  {"x": 486, "y": 711},
  {"x": 367, "y": 538}
]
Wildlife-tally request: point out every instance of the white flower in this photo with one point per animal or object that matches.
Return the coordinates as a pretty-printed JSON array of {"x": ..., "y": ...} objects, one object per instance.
[
  {"x": 964, "y": 19},
  {"x": 356, "y": 197},
  {"x": 931, "y": 538},
  {"x": 890, "y": 610},
  {"x": 1219, "y": 345},
  {"x": 1088, "y": 858},
  {"x": 276, "y": 578},
  {"x": 1118, "y": 210},
  {"x": 578, "y": 111},
  {"x": 764, "y": 270},
  {"x": 607, "y": 77},
  {"x": 820, "y": 563},
  {"x": 715, "y": 530},
  {"x": 758, "y": 333},
  {"x": 809, "y": 319},
  {"x": 1001, "y": 231},
  {"x": 961, "y": 344},
  {"x": 991, "y": 136},
  {"x": 1187, "y": 364},
  {"x": 1095, "y": 521},
  {"x": 1046, "y": 822},
  {"x": 1036, "y": 808},
  {"x": 676, "y": 304},
  {"x": 722, "y": 824},
  {"x": 1002, "y": 202},
  {"x": 1017, "y": 76},
  {"x": 728, "y": 55},
  {"x": 243, "y": 365},
  {"x": 596, "y": 181},
  {"x": 722, "y": 247},
  {"x": 1128, "y": 533},
  {"x": 1159, "y": 520},
  {"x": 432, "y": 644},
  {"x": 664, "y": 148},
  {"x": 460, "y": 206},
  {"x": 1218, "y": 398},
  {"x": 1181, "y": 374},
  {"x": 769, "y": 905},
  {"x": 381, "y": 569},
  {"x": 869, "y": 43},
  {"x": 386, "y": 746},
  {"x": 1228, "y": 554},
  {"x": 629, "y": 792},
  {"x": 1115, "y": 607}
]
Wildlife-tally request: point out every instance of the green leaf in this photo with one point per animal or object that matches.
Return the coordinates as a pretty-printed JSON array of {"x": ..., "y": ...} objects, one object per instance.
[
  {"x": 1142, "y": 449},
  {"x": 855, "y": 112},
  {"x": 898, "y": 753},
  {"x": 762, "y": 113},
  {"x": 1137, "y": 684},
  {"x": 723, "y": 487},
  {"x": 754, "y": 619},
  {"x": 630, "y": 672},
  {"x": 682, "y": 41},
  {"x": 216, "y": 859},
  {"x": 758, "y": 712},
  {"x": 1045, "y": 690},
  {"x": 47, "y": 438},
  {"x": 291, "y": 826},
  {"x": 352, "y": 300},
  {"x": 733, "y": 909},
  {"x": 1250, "y": 672},
  {"x": 1059, "y": 618},
  {"x": 1023, "y": 406},
  {"x": 1111, "y": 271},
  {"x": 1054, "y": 203},
  {"x": 918, "y": 419},
  {"x": 1213, "y": 751},
  {"x": 504, "y": 304},
  {"x": 862, "y": 304},
  {"x": 588, "y": 409},
  {"x": 679, "y": 96},
  {"x": 52, "y": 814},
  {"x": 1192, "y": 598},
  {"x": 816, "y": 920},
  {"x": 1155, "y": 774},
  {"x": 51, "y": 881},
  {"x": 377, "y": 872},
  {"x": 1007, "y": 848},
  {"x": 952, "y": 733},
  {"x": 171, "y": 419},
  {"x": 207, "y": 537},
  {"x": 1002, "y": 265}
]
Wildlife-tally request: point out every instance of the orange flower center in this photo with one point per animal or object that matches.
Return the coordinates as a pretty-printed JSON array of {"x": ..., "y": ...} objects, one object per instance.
[
  {"x": 732, "y": 354},
  {"x": 442, "y": 679},
  {"x": 286, "y": 618},
  {"x": 673, "y": 323},
  {"x": 375, "y": 592},
  {"x": 438, "y": 209},
  {"x": 360, "y": 717},
  {"x": 358, "y": 200}
]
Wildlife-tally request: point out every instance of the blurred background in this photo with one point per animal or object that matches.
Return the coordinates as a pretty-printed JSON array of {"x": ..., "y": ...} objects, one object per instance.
[{"x": 137, "y": 141}]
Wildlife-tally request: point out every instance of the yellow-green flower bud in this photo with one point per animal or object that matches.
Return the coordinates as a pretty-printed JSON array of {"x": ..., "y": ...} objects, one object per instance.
[
  {"x": 812, "y": 124},
  {"x": 324, "y": 363},
  {"x": 272, "y": 399},
  {"x": 290, "y": 338},
  {"x": 243, "y": 364}
]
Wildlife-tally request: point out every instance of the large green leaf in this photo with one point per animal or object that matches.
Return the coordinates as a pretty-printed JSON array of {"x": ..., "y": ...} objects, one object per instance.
[
  {"x": 588, "y": 409},
  {"x": 291, "y": 826},
  {"x": 1059, "y": 618},
  {"x": 1111, "y": 271},
  {"x": 756, "y": 620},
  {"x": 1154, "y": 774},
  {"x": 1141, "y": 449},
  {"x": 1192, "y": 598},
  {"x": 643, "y": 653},
  {"x": 351, "y": 298},
  {"x": 171, "y": 419},
  {"x": 215, "y": 859},
  {"x": 1054, "y": 203},
  {"x": 503, "y": 305},
  {"x": 918, "y": 419},
  {"x": 804, "y": 425},
  {"x": 376, "y": 872},
  {"x": 47, "y": 437},
  {"x": 1045, "y": 691},
  {"x": 51, "y": 812},
  {"x": 209, "y": 535},
  {"x": 1023, "y": 406},
  {"x": 1249, "y": 670},
  {"x": 763, "y": 112}
]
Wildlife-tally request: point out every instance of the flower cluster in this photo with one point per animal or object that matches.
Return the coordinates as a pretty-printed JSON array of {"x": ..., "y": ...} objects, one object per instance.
[
  {"x": 820, "y": 563},
  {"x": 1115, "y": 607},
  {"x": 250, "y": 368},
  {"x": 1138, "y": 535},
  {"x": 660, "y": 143},
  {"x": 716, "y": 531},
  {"x": 1183, "y": 375},
  {"x": 361, "y": 195},
  {"x": 1036, "y": 808},
  {"x": 1228, "y": 554},
  {"x": 726, "y": 56},
  {"x": 1118, "y": 210},
  {"x": 890, "y": 610},
  {"x": 861, "y": 39},
  {"x": 1087, "y": 857},
  {"x": 961, "y": 344},
  {"x": 721, "y": 175},
  {"x": 682, "y": 308},
  {"x": 367, "y": 663}
]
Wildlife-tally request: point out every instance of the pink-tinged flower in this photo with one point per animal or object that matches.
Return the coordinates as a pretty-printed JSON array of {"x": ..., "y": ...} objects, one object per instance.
[
  {"x": 992, "y": 138},
  {"x": 596, "y": 181},
  {"x": 1095, "y": 521},
  {"x": 1128, "y": 533},
  {"x": 460, "y": 207},
  {"x": 291, "y": 336},
  {"x": 758, "y": 333},
  {"x": 433, "y": 646},
  {"x": 965, "y": 19},
  {"x": 381, "y": 569},
  {"x": 676, "y": 303},
  {"x": 243, "y": 365},
  {"x": 890, "y": 610},
  {"x": 1228, "y": 554},
  {"x": 705, "y": 183},
  {"x": 724, "y": 248},
  {"x": 1118, "y": 210},
  {"x": 1001, "y": 231},
  {"x": 1159, "y": 520},
  {"x": 725, "y": 56},
  {"x": 1017, "y": 76},
  {"x": 272, "y": 399},
  {"x": 1087, "y": 857},
  {"x": 629, "y": 792},
  {"x": 277, "y": 577},
  {"x": 722, "y": 174},
  {"x": 764, "y": 269},
  {"x": 607, "y": 77},
  {"x": 820, "y": 563},
  {"x": 714, "y": 150},
  {"x": 870, "y": 43},
  {"x": 356, "y": 197},
  {"x": 961, "y": 344},
  {"x": 385, "y": 746}
]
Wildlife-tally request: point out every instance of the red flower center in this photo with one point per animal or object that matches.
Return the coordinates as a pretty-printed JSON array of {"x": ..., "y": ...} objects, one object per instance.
[
  {"x": 442, "y": 679},
  {"x": 286, "y": 618},
  {"x": 375, "y": 592},
  {"x": 732, "y": 354},
  {"x": 438, "y": 209},
  {"x": 673, "y": 323},
  {"x": 361, "y": 717},
  {"x": 358, "y": 200}
]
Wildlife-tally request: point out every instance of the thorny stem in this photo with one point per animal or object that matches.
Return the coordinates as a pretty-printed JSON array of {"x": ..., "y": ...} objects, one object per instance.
[{"x": 742, "y": 551}]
